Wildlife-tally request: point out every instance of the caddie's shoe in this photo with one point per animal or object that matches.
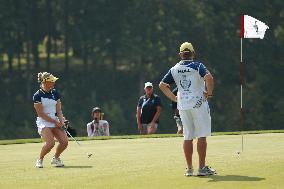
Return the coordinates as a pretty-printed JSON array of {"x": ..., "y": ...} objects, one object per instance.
[
  {"x": 188, "y": 172},
  {"x": 205, "y": 171},
  {"x": 39, "y": 163},
  {"x": 57, "y": 162}
]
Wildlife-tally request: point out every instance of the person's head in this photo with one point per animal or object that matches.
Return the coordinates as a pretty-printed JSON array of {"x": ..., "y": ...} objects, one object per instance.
[
  {"x": 46, "y": 80},
  {"x": 97, "y": 113},
  {"x": 186, "y": 51},
  {"x": 148, "y": 88}
]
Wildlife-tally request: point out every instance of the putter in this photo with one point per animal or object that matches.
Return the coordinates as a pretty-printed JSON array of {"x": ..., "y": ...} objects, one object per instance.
[{"x": 64, "y": 127}]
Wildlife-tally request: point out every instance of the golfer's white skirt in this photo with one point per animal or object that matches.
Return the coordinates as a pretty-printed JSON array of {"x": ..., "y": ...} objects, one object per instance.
[
  {"x": 196, "y": 122},
  {"x": 41, "y": 123}
]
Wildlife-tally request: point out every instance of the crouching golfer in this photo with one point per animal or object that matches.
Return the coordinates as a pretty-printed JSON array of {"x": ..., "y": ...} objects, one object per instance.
[
  {"x": 195, "y": 86},
  {"x": 50, "y": 119}
]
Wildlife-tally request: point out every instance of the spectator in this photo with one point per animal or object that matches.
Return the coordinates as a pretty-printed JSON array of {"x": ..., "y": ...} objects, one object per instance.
[
  {"x": 148, "y": 111},
  {"x": 98, "y": 127}
]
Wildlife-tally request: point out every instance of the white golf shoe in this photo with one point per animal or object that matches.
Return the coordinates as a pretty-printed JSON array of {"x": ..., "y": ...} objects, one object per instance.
[
  {"x": 205, "y": 171},
  {"x": 57, "y": 162},
  {"x": 39, "y": 163},
  {"x": 188, "y": 172}
]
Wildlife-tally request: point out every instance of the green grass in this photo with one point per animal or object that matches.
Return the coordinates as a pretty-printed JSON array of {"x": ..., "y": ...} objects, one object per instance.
[
  {"x": 150, "y": 163},
  {"x": 38, "y": 140}
]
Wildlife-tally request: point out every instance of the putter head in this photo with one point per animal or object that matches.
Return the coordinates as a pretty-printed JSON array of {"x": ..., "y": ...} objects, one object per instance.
[{"x": 89, "y": 155}]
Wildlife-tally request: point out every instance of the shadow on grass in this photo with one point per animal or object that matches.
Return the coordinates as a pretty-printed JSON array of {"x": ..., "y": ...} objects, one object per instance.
[
  {"x": 76, "y": 167},
  {"x": 218, "y": 178}
]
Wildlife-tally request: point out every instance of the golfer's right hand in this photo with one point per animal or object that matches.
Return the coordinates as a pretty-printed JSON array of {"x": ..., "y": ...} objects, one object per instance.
[{"x": 58, "y": 124}]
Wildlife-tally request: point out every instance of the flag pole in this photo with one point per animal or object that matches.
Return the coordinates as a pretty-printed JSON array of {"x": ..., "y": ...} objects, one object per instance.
[
  {"x": 253, "y": 28},
  {"x": 242, "y": 79},
  {"x": 242, "y": 82}
]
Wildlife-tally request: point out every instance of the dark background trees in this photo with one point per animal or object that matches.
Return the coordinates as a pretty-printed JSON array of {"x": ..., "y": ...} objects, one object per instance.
[{"x": 103, "y": 51}]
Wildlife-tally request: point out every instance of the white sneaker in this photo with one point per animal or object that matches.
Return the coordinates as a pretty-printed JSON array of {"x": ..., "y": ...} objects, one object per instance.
[
  {"x": 39, "y": 163},
  {"x": 57, "y": 162},
  {"x": 188, "y": 172},
  {"x": 205, "y": 171}
]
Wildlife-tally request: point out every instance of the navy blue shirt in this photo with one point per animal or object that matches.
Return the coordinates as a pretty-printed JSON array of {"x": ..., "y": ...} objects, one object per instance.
[
  {"x": 149, "y": 107},
  {"x": 48, "y": 100},
  {"x": 53, "y": 94}
]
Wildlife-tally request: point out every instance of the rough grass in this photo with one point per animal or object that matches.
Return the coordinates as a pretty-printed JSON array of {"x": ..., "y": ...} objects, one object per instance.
[{"x": 147, "y": 163}]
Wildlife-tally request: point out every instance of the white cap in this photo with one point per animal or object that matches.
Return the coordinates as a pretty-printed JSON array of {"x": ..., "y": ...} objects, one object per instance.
[{"x": 148, "y": 84}]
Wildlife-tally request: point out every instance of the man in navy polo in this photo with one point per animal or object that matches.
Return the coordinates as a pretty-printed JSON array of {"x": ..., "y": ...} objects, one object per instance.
[{"x": 148, "y": 111}]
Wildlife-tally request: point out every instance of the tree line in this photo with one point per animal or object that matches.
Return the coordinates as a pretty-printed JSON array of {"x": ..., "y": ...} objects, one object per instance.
[{"x": 103, "y": 51}]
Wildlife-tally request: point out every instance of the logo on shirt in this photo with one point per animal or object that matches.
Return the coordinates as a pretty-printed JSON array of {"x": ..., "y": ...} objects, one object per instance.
[
  {"x": 184, "y": 71},
  {"x": 184, "y": 83}
]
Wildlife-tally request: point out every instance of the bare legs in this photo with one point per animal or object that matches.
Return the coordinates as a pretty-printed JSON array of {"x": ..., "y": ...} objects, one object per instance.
[
  {"x": 48, "y": 135},
  {"x": 62, "y": 138},
  {"x": 201, "y": 149},
  {"x": 188, "y": 151}
]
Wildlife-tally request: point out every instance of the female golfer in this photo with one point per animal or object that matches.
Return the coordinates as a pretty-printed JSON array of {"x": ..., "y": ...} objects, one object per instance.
[{"x": 50, "y": 119}]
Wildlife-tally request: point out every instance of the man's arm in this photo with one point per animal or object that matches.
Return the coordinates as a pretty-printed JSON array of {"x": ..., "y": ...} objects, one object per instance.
[
  {"x": 138, "y": 115},
  {"x": 138, "y": 119},
  {"x": 157, "y": 114},
  {"x": 209, "y": 82},
  {"x": 165, "y": 88}
]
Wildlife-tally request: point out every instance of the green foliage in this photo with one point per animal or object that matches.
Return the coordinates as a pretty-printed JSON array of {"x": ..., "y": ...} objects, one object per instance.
[{"x": 113, "y": 47}]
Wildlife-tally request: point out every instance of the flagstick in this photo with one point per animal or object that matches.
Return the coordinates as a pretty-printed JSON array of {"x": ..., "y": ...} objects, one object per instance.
[
  {"x": 252, "y": 29},
  {"x": 242, "y": 82}
]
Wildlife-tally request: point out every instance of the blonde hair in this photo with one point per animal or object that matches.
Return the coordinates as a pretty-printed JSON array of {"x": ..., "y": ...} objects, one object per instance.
[{"x": 41, "y": 76}]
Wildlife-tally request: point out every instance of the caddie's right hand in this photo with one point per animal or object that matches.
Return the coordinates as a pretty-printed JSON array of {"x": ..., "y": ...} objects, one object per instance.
[{"x": 207, "y": 95}]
